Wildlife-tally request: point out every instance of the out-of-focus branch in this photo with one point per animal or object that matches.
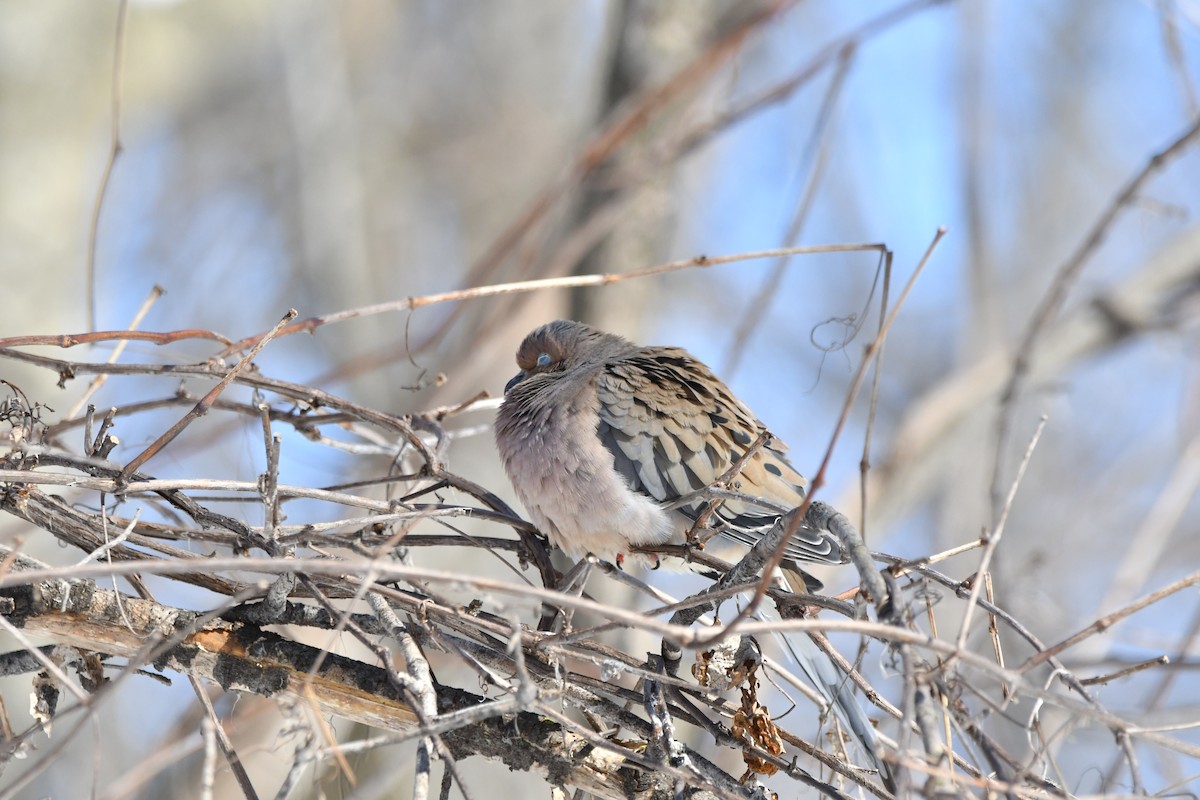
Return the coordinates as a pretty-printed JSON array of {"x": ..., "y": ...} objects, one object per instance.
[
  {"x": 1150, "y": 299},
  {"x": 1064, "y": 280}
]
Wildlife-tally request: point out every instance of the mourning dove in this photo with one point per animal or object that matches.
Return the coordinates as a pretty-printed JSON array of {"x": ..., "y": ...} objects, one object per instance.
[{"x": 611, "y": 446}]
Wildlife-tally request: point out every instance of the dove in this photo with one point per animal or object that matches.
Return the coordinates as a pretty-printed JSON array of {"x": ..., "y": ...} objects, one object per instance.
[{"x": 612, "y": 446}]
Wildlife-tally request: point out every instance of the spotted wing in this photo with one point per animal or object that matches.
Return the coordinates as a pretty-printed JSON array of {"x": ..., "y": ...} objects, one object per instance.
[{"x": 674, "y": 428}]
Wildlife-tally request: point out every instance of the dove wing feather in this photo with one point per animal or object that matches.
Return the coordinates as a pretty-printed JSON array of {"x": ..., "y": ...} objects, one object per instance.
[{"x": 674, "y": 428}]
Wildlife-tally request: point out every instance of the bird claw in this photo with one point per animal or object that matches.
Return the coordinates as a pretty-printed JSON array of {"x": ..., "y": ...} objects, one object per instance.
[{"x": 621, "y": 561}]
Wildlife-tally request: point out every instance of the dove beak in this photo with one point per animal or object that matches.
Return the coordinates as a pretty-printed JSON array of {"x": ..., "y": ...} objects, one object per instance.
[{"x": 520, "y": 376}]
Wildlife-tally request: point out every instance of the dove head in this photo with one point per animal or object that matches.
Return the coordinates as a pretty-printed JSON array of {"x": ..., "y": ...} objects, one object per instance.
[{"x": 562, "y": 345}]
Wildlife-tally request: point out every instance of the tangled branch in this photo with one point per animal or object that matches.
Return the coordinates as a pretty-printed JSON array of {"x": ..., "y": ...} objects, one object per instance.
[{"x": 573, "y": 702}]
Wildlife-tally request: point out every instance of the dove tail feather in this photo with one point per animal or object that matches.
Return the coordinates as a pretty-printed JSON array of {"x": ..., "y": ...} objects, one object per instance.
[{"x": 834, "y": 687}]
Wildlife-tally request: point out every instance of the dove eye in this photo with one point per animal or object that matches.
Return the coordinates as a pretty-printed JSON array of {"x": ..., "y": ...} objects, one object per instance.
[{"x": 543, "y": 360}]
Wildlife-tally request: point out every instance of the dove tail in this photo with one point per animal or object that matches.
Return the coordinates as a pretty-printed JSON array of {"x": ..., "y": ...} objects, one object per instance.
[{"x": 835, "y": 688}]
